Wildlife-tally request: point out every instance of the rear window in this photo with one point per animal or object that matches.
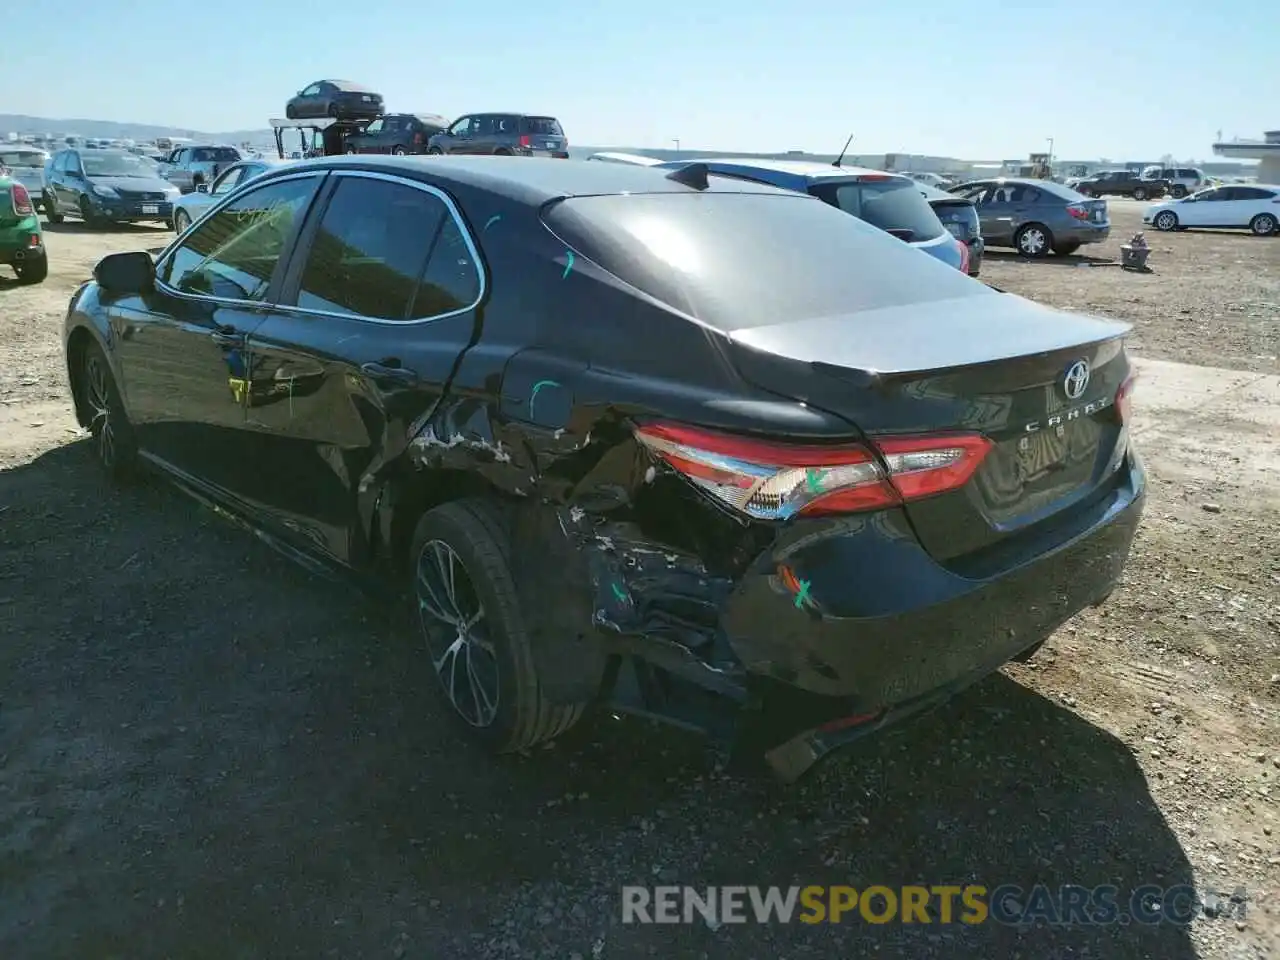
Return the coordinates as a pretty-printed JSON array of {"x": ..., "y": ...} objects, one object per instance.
[
  {"x": 742, "y": 260},
  {"x": 888, "y": 204},
  {"x": 541, "y": 126},
  {"x": 218, "y": 154}
]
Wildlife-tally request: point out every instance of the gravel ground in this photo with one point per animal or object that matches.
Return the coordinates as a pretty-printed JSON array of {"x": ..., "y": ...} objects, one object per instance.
[
  {"x": 1212, "y": 298},
  {"x": 205, "y": 752}
]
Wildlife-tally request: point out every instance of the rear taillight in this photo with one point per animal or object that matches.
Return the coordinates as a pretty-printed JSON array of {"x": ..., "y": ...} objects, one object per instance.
[
  {"x": 1124, "y": 398},
  {"x": 524, "y": 140},
  {"x": 964, "y": 256},
  {"x": 1077, "y": 211},
  {"x": 770, "y": 480},
  {"x": 21, "y": 200}
]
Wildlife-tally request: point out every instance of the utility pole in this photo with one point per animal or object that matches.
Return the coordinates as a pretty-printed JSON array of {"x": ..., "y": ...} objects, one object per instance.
[{"x": 676, "y": 141}]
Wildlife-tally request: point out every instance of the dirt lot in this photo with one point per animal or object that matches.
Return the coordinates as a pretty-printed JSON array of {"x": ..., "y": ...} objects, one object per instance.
[{"x": 204, "y": 752}]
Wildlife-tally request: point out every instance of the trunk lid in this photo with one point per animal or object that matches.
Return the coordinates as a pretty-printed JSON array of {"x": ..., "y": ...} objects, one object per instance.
[
  {"x": 997, "y": 365},
  {"x": 544, "y": 134}
]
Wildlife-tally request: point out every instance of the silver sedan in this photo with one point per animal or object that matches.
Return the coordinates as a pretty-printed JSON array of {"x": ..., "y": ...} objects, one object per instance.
[{"x": 191, "y": 206}]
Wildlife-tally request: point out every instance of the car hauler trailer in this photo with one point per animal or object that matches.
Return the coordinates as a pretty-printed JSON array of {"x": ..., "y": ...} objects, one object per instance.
[{"x": 321, "y": 137}]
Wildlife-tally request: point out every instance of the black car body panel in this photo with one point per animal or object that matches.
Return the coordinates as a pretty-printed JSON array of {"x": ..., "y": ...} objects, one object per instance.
[{"x": 535, "y": 382}]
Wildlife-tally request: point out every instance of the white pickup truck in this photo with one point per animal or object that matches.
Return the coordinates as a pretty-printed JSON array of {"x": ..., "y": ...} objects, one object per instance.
[{"x": 189, "y": 166}]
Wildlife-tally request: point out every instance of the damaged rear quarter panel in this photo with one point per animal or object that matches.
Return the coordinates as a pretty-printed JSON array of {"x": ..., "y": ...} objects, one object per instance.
[{"x": 611, "y": 553}]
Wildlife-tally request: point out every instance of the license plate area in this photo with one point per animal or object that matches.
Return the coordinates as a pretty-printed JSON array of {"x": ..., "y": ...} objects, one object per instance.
[{"x": 150, "y": 208}]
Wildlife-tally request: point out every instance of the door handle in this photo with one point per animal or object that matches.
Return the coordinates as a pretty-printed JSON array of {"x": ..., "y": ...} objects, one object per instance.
[
  {"x": 227, "y": 337},
  {"x": 389, "y": 369}
]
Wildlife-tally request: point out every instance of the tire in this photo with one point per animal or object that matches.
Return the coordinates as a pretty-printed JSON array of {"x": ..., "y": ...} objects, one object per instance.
[
  {"x": 1264, "y": 225},
  {"x": 51, "y": 211},
  {"x": 1033, "y": 240},
  {"x": 502, "y": 152},
  {"x": 493, "y": 651},
  {"x": 1179, "y": 191},
  {"x": 1166, "y": 220},
  {"x": 434, "y": 152},
  {"x": 114, "y": 443},
  {"x": 351, "y": 151},
  {"x": 1139, "y": 193},
  {"x": 32, "y": 271},
  {"x": 397, "y": 151},
  {"x": 1066, "y": 249},
  {"x": 181, "y": 220},
  {"x": 90, "y": 218}
]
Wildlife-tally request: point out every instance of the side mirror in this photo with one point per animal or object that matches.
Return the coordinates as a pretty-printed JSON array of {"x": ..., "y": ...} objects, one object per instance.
[
  {"x": 202, "y": 188},
  {"x": 124, "y": 273}
]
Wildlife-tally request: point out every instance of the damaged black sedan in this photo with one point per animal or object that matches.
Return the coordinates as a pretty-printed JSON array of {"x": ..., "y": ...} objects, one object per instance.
[{"x": 688, "y": 447}]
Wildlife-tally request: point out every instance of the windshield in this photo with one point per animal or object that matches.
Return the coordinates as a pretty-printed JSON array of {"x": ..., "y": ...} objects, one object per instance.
[
  {"x": 22, "y": 158},
  {"x": 888, "y": 204},
  {"x": 541, "y": 126},
  {"x": 115, "y": 165},
  {"x": 743, "y": 260}
]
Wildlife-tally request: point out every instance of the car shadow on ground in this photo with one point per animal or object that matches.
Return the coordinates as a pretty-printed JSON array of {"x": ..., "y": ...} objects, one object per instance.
[
  {"x": 79, "y": 226},
  {"x": 208, "y": 752},
  {"x": 1053, "y": 259}
]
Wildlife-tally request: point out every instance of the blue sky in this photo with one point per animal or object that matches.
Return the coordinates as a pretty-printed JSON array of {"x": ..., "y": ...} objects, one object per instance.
[{"x": 973, "y": 80}]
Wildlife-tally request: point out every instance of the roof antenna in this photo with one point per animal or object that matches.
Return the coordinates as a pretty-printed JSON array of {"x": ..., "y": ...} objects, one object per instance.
[
  {"x": 836, "y": 161},
  {"x": 691, "y": 175}
]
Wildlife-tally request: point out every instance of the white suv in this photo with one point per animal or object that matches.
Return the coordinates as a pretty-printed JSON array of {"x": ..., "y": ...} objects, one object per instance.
[{"x": 1182, "y": 180}]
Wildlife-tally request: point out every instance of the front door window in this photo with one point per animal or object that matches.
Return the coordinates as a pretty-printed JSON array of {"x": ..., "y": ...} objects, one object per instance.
[{"x": 233, "y": 255}]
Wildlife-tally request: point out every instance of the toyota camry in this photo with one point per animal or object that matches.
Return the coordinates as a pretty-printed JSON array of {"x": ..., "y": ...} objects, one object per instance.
[{"x": 649, "y": 440}]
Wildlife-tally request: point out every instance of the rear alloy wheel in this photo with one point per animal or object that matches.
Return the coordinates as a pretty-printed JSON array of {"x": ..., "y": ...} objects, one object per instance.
[
  {"x": 397, "y": 151},
  {"x": 1179, "y": 191},
  {"x": 351, "y": 151},
  {"x": 1264, "y": 225},
  {"x": 435, "y": 152},
  {"x": 112, "y": 433},
  {"x": 1139, "y": 193},
  {"x": 1166, "y": 220},
  {"x": 51, "y": 212},
  {"x": 181, "y": 220},
  {"x": 1033, "y": 240},
  {"x": 471, "y": 627}
]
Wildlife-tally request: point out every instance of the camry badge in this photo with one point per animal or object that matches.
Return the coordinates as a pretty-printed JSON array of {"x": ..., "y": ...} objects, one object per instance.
[{"x": 1076, "y": 380}]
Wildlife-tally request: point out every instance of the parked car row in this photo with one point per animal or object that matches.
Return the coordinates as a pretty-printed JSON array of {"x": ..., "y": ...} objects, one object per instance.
[{"x": 647, "y": 439}]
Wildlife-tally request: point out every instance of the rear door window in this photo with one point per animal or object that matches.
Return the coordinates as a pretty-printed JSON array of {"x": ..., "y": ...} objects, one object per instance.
[
  {"x": 893, "y": 205},
  {"x": 388, "y": 251},
  {"x": 541, "y": 126}
]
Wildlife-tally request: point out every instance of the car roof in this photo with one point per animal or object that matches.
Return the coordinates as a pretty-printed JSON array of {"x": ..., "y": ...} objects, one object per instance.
[
  {"x": 532, "y": 180},
  {"x": 347, "y": 85}
]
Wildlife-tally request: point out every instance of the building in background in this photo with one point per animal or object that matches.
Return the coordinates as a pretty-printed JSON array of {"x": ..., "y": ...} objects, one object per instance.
[{"x": 1266, "y": 151}]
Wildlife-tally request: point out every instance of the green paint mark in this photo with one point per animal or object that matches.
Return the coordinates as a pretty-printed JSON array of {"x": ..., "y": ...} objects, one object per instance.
[
  {"x": 802, "y": 594},
  {"x": 619, "y": 594},
  {"x": 568, "y": 265},
  {"x": 811, "y": 481},
  {"x": 491, "y": 221},
  {"x": 534, "y": 395}
]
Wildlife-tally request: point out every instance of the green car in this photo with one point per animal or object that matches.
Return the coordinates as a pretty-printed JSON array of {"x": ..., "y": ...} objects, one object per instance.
[{"x": 21, "y": 239}]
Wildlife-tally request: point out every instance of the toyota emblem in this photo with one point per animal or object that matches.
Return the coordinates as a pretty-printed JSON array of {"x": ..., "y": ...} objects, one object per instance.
[{"x": 1076, "y": 381}]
